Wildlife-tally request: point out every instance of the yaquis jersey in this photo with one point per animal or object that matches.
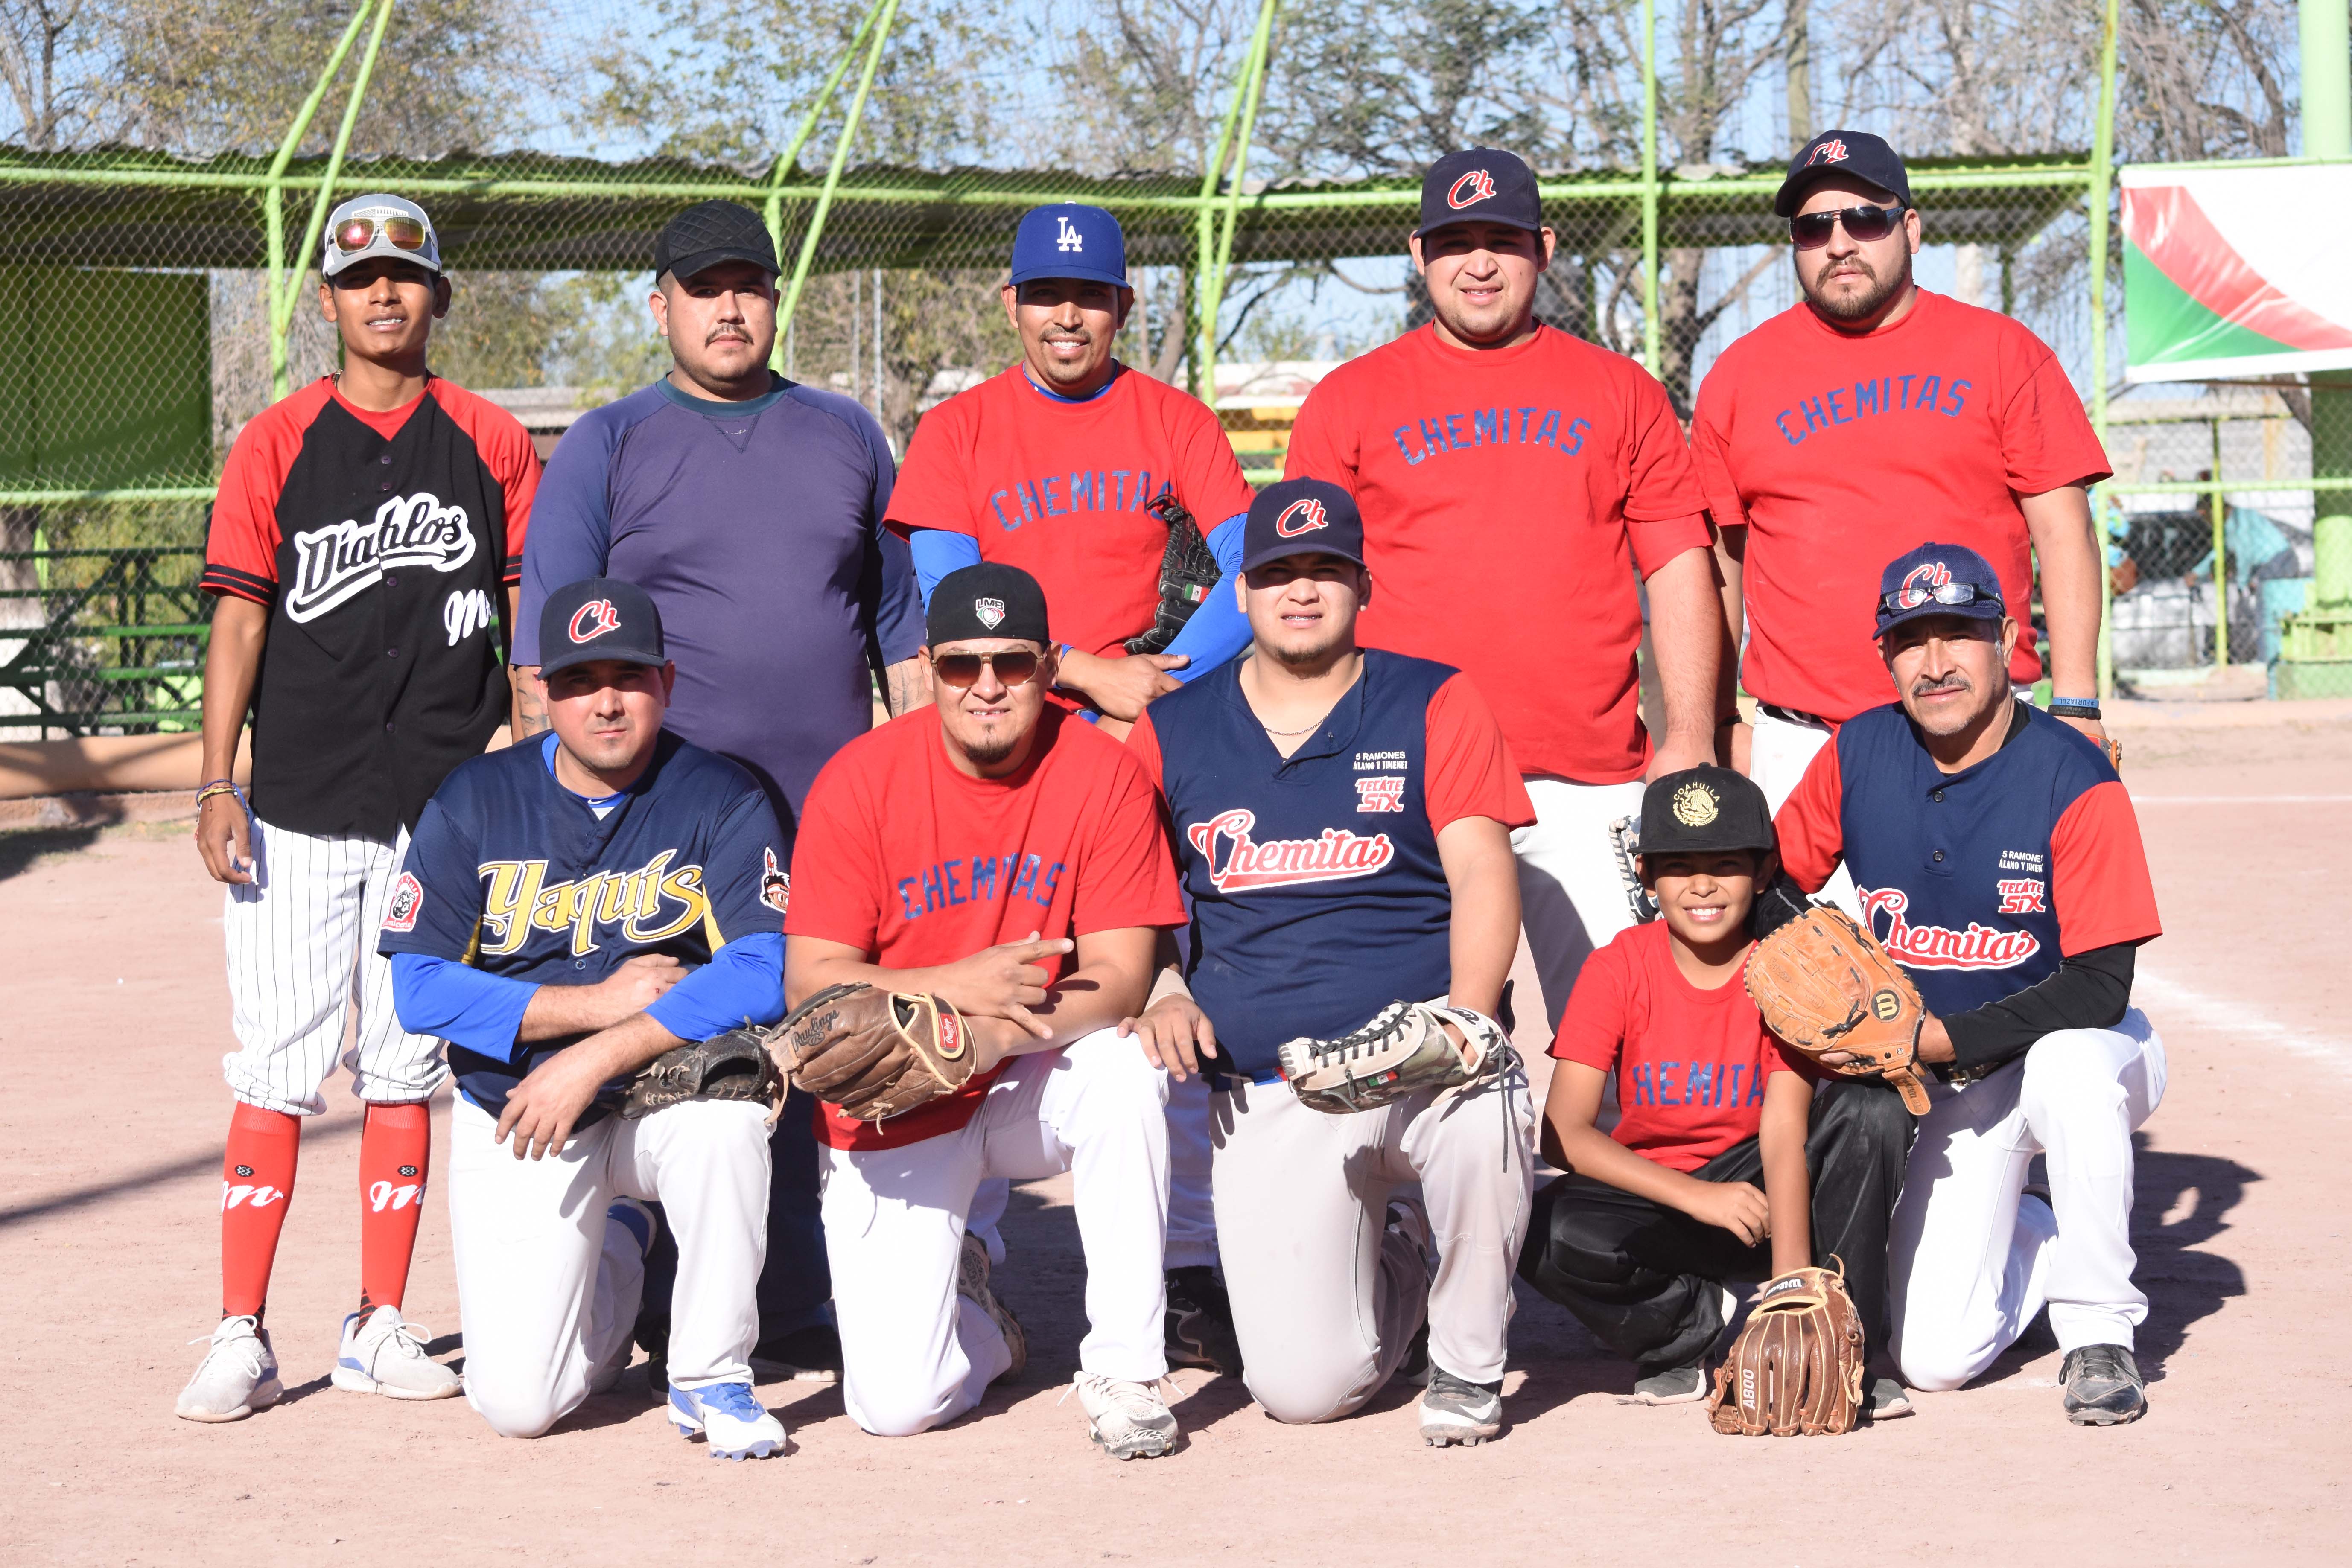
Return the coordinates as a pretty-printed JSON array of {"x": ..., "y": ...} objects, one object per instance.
[
  {"x": 1318, "y": 893},
  {"x": 1979, "y": 881},
  {"x": 516, "y": 875},
  {"x": 384, "y": 544}
]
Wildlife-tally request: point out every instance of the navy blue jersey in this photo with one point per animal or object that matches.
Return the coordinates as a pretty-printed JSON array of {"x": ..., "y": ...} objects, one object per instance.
[
  {"x": 1978, "y": 882},
  {"x": 517, "y": 876},
  {"x": 1318, "y": 893}
]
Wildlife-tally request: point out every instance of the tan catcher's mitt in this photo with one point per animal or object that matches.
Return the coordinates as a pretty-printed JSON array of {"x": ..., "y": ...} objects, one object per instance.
[
  {"x": 874, "y": 1053},
  {"x": 1823, "y": 983},
  {"x": 1797, "y": 1366}
]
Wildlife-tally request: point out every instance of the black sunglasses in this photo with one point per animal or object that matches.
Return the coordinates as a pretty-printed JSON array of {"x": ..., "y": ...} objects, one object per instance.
[
  {"x": 1015, "y": 668},
  {"x": 1810, "y": 231}
]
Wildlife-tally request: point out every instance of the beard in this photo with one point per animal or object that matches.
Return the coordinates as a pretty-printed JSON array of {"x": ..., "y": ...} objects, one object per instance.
[
  {"x": 1861, "y": 306},
  {"x": 1320, "y": 654},
  {"x": 993, "y": 750}
]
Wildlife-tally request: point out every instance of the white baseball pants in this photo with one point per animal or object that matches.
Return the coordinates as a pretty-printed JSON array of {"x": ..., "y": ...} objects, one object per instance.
[
  {"x": 1971, "y": 1262},
  {"x": 916, "y": 1354},
  {"x": 301, "y": 950},
  {"x": 1326, "y": 1300},
  {"x": 548, "y": 1287},
  {"x": 1779, "y": 753},
  {"x": 1572, "y": 898}
]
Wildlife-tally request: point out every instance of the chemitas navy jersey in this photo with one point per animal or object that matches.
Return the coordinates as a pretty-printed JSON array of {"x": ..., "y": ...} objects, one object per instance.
[
  {"x": 382, "y": 544},
  {"x": 511, "y": 873}
]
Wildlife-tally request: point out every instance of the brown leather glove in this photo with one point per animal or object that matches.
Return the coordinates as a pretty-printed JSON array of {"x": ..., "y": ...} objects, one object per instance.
[
  {"x": 1796, "y": 1367},
  {"x": 875, "y": 1053},
  {"x": 1823, "y": 983}
]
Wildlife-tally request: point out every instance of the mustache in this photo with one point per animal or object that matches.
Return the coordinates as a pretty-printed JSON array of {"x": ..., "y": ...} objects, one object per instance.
[
  {"x": 1949, "y": 680},
  {"x": 722, "y": 333}
]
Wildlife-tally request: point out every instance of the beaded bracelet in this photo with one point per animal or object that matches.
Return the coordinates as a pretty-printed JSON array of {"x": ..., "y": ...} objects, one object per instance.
[{"x": 219, "y": 787}]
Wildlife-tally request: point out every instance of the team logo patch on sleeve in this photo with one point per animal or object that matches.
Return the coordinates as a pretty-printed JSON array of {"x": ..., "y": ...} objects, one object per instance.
[
  {"x": 775, "y": 885},
  {"x": 407, "y": 898}
]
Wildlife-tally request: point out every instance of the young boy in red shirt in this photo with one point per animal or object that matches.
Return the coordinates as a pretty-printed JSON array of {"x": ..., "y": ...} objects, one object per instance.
[{"x": 1653, "y": 1217}]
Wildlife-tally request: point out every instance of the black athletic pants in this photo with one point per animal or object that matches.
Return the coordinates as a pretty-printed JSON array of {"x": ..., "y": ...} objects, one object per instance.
[{"x": 1642, "y": 1277}]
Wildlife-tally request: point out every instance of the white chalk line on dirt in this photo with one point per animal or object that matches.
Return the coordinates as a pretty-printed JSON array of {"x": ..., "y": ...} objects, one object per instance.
[
  {"x": 2242, "y": 800},
  {"x": 2162, "y": 998}
]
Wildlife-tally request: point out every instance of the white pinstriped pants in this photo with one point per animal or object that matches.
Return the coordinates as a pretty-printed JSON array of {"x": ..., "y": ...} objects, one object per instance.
[{"x": 301, "y": 951}]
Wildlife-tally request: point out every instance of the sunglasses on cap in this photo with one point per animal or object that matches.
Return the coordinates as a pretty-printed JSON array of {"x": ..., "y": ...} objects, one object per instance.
[
  {"x": 1947, "y": 594},
  {"x": 358, "y": 232},
  {"x": 1015, "y": 668},
  {"x": 1810, "y": 231}
]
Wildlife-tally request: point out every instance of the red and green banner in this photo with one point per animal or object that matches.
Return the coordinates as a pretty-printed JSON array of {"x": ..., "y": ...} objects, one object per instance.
[{"x": 2236, "y": 271}]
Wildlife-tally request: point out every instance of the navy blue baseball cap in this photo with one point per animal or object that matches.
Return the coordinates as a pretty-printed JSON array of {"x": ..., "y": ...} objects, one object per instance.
[
  {"x": 710, "y": 232},
  {"x": 1854, "y": 153},
  {"x": 1480, "y": 184},
  {"x": 599, "y": 618},
  {"x": 1302, "y": 516},
  {"x": 1067, "y": 239},
  {"x": 1938, "y": 579}
]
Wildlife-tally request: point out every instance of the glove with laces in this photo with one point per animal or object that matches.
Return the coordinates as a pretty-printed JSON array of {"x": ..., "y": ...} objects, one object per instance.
[{"x": 1403, "y": 1050}]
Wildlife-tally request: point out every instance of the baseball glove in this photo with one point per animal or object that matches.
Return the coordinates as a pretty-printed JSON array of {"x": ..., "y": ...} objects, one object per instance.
[
  {"x": 730, "y": 1066},
  {"x": 874, "y": 1053},
  {"x": 1187, "y": 572},
  {"x": 1823, "y": 983},
  {"x": 1402, "y": 1050},
  {"x": 1626, "y": 848},
  {"x": 1797, "y": 1366}
]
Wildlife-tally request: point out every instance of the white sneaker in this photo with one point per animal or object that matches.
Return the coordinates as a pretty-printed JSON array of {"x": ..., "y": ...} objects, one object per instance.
[
  {"x": 1129, "y": 1420},
  {"x": 730, "y": 1417},
  {"x": 383, "y": 1354},
  {"x": 238, "y": 1375}
]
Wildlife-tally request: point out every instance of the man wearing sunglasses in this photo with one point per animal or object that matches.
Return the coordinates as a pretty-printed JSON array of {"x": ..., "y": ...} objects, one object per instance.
[
  {"x": 1870, "y": 415},
  {"x": 994, "y": 851},
  {"x": 361, "y": 557},
  {"x": 1996, "y": 855},
  {"x": 750, "y": 508}
]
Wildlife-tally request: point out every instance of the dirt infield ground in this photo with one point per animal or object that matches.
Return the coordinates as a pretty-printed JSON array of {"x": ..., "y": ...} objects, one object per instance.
[{"x": 116, "y": 1017}]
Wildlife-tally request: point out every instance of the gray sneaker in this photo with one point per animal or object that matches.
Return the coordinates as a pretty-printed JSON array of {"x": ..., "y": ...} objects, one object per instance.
[
  {"x": 237, "y": 1376},
  {"x": 2102, "y": 1386},
  {"x": 1888, "y": 1399},
  {"x": 1676, "y": 1385},
  {"x": 1455, "y": 1410},
  {"x": 972, "y": 1284}
]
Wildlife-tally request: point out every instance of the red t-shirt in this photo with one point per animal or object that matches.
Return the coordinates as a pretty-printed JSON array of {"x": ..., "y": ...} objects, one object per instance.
[
  {"x": 1838, "y": 453},
  {"x": 1509, "y": 495},
  {"x": 904, "y": 857},
  {"x": 1005, "y": 463},
  {"x": 1690, "y": 1064}
]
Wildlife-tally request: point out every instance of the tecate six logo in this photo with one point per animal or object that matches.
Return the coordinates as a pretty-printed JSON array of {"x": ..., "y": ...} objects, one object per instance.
[{"x": 332, "y": 563}]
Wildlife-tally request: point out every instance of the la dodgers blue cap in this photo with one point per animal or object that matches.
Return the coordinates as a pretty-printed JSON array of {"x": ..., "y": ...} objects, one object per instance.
[
  {"x": 1068, "y": 239},
  {"x": 1480, "y": 185},
  {"x": 1855, "y": 154},
  {"x": 1302, "y": 516},
  {"x": 599, "y": 618},
  {"x": 1922, "y": 574}
]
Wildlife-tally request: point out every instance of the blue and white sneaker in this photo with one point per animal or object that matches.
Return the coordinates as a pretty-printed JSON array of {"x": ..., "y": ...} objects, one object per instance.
[
  {"x": 730, "y": 1417},
  {"x": 383, "y": 1354}
]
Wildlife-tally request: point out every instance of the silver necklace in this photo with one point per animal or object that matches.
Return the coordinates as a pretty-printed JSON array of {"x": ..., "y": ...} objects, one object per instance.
[{"x": 1286, "y": 734}]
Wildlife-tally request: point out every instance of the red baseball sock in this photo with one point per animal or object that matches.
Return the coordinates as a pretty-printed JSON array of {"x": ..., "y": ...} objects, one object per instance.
[
  {"x": 395, "y": 1150},
  {"x": 257, "y": 1183}
]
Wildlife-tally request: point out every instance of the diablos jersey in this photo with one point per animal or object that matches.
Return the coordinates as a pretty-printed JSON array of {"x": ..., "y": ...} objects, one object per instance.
[
  {"x": 512, "y": 874},
  {"x": 1981, "y": 881},
  {"x": 1318, "y": 893}
]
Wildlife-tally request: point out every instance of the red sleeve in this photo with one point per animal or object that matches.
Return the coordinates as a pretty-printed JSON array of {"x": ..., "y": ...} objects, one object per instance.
[
  {"x": 506, "y": 451},
  {"x": 1213, "y": 488},
  {"x": 1323, "y": 439},
  {"x": 1129, "y": 876},
  {"x": 2099, "y": 874},
  {"x": 241, "y": 544},
  {"x": 1143, "y": 745},
  {"x": 837, "y": 881},
  {"x": 1665, "y": 508},
  {"x": 1811, "y": 824},
  {"x": 1469, "y": 771},
  {"x": 1711, "y": 452},
  {"x": 1592, "y": 1025},
  {"x": 2046, "y": 439},
  {"x": 933, "y": 485}
]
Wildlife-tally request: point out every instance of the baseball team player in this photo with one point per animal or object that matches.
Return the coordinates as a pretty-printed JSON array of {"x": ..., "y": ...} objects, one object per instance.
[
  {"x": 571, "y": 909},
  {"x": 1514, "y": 480},
  {"x": 750, "y": 509},
  {"x": 1049, "y": 466},
  {"x": 361, "y": 557},
  {"x": 997, "y": 852},
  {"x": 1342, "y": 820},
  {"x": 1994, "y": 853},
  {"x": 1868, "y": 417},
  {"x": 1727, "y": 1163}
]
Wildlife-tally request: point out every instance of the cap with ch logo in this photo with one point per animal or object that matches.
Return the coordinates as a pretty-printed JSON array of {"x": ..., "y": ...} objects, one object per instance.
[
  {"x": 1068, "y": 239},
  {"x": 1480, "y": 185},
  {"x": 1302, "y": 516},
  {"x": 599, "y": 618},
  {"x": 1938, "y": 579},
  {"x": 1854, "y": 154}
]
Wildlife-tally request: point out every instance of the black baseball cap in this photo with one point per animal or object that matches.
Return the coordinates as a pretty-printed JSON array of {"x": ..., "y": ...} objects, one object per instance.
[
  {"x": 1480, "y": 184},
  {"x": 1854, "y": 153},
  {"x": 710, "y": 232},
  {"x": 599, "y": 618},
  {"x": 1704, "y": 808},
  {"x": 991, "y": 600},
  {"x": 1938, "y": 579},
  {"x": 1302, "y": 516}
]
